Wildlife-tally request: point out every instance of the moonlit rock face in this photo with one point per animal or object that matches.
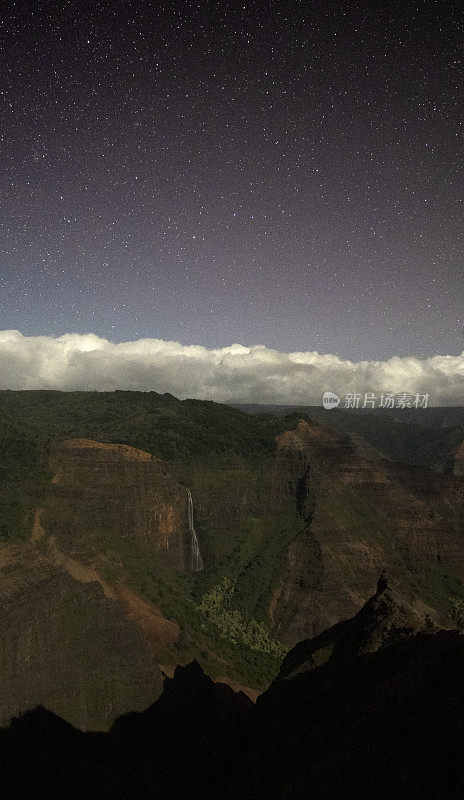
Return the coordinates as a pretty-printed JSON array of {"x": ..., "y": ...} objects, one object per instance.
[{"x": 231, "y": 374}]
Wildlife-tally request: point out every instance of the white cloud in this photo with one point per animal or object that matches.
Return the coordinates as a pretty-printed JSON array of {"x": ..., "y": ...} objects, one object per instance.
[{"x": 230, "y": 374}]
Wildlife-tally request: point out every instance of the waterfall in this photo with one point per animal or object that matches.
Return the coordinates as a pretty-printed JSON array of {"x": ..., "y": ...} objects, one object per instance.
[{"x": 196, "y": 561}]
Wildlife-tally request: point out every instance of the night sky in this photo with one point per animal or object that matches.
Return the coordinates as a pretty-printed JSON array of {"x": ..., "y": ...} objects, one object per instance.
[{"x": 214, "y": 173}]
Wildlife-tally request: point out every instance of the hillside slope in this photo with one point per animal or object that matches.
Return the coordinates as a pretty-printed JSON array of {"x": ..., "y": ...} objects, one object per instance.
[
  {"x": 381, "y": 715},
  {"x": 422, "y": 436},
  {"x": 66, "y": 645},
  {"x": 365, "y": 515},
  {"x": 295, "y": 522}
]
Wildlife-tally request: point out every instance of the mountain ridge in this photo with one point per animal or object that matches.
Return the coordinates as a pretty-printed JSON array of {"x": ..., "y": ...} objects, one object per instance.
[
  {"x": 385, "y": 722},
  {"x": 295, "y": 521}
]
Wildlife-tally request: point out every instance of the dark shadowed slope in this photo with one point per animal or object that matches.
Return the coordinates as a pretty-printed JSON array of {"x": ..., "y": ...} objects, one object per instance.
[
  {"x": 373, "y": 708},
  {"x": 294, "y": 521}
]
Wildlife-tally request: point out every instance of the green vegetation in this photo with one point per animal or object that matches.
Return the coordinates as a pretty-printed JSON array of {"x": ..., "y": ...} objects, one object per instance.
[
  {"x": 215, "y": 449},
  {"x": 226, "y": 457},
  {"x": 434, "y": 582},
  {"x": 23, "y": 471},
  {"x": 411, "y": 436},
  {"x": 174, "y": 430},
  {"x": 457, "y": 611},
  {"x": 17, "y": 507},
  {"x": 216, "y": 605},
  {"x": 252, "y": 658},
  {"x": 322, "y": 655},
  {"x": 258, "y": 576}
]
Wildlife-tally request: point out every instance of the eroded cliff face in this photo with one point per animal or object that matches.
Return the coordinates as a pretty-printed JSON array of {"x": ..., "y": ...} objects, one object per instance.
[
  {"x": 76, "y": 634},
  {"x": 361, "y": 514},
  {"x": 306, "y": 533},
  {"x": 66, "y": 645},
  {"x": 112, "y": 487},
  {"x": 303, "y": 533},
  {"x": 107, "y": 505},
  {"x": 372, "y": 708}
]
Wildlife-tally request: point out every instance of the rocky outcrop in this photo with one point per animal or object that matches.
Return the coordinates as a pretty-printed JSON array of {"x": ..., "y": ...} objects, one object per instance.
[
  {"x": 313, "y": 527},
  {"x": 303, "y": 530},
  {"x": 113, "y": 487},
  {"x": 76, "y": 635},
  {"x": 183, "y": 746},
  {"x": 362, "y": 514},
  {"x": 122, "y": 489},
  {"x": 332, "y": 514},
  {"x": 66, "y": 645},
  {"x": 379, "y": 716},
  {"x": 386, "y": 618},
  {"x": 382, "y": 717}
]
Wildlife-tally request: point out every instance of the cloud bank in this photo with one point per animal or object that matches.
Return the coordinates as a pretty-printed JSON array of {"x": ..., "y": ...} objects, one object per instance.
[{"x": 254, "y": 374}]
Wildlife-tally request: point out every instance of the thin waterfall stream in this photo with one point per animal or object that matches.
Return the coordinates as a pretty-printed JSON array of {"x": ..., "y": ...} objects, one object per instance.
[{"x": 196, "y": 560}]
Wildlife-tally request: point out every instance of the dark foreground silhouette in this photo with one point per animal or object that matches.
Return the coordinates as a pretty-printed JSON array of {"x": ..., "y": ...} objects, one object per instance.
[{"x": 372, "y": 708}]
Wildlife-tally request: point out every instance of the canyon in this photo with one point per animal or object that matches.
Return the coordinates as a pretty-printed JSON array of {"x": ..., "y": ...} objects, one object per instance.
[
  {"x": 371, "y": 707},
  {"x": 294, "y": 523}
]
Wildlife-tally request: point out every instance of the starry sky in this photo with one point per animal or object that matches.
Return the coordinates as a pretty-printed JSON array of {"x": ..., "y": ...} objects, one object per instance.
[{"x": 211, "y": 173}]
